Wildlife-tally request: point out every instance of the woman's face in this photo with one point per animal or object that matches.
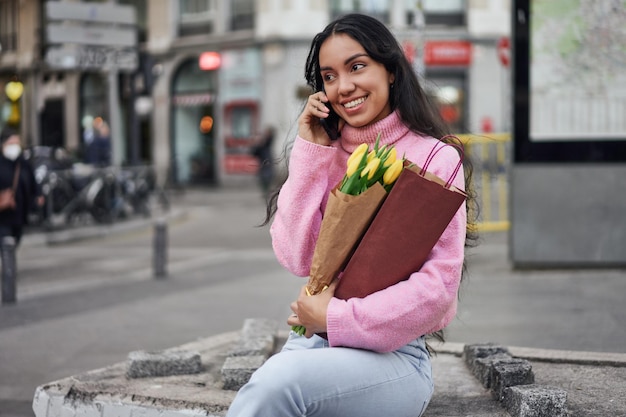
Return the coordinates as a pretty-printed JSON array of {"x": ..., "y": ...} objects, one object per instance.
[{"x": 356, "y": 85}]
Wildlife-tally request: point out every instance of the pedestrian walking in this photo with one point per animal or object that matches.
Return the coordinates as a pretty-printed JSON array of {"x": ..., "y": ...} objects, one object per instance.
[
  {"x": 373, "y": 360},
  {"x": 16, "y": 174},
  {"x": 263, "y": 152}
]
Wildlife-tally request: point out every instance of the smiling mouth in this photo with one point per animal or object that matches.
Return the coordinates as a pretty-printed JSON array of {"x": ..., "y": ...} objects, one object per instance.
[{"x": 354, "y": 103}]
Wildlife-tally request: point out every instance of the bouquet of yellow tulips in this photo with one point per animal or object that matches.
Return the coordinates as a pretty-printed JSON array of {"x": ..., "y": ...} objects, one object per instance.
[
  {"x": 351, "y": 207},
  {"x": 380, "y": 165}
]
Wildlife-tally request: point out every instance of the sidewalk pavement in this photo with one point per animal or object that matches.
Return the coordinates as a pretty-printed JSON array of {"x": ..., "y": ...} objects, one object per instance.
[{"x": 594, "y": 382}]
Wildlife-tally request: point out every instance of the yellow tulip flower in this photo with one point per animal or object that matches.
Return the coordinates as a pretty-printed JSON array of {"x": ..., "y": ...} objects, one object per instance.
[
  {"x": 371, "y": 168},
  {"x": 357, "y": 153},
  {"x": 391, "y": 158},
  {"x": 393, "y": 172},
  {"x": 353, "y": 166}
]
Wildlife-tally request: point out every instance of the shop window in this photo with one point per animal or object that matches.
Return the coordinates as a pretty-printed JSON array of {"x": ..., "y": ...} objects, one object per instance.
[
  {"x": 193, "y": 127},
  {"x": 444, "y": 12},
  {"x": 197, "y": 17},
  {"x": 375, "y": 8},
  {"x": 141, "y": 13},
  {"x": 242, "y": 14},
  {"x": 448, "y": 91},
  {"x": 241, "y": 130},
  {"x": 8, "y": 25},
  {"x": 192, "y": 79},
  {"x": 241, "y": 124}
]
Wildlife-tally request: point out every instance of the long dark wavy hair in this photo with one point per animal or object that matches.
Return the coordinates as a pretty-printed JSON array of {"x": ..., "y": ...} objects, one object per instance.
[{"x": 414, "y": 106}]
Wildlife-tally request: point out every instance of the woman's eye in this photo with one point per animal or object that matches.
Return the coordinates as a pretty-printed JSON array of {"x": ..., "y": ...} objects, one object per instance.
[
  {"x": 328, "y": 77},
  {"x": 356, "y": 67}
]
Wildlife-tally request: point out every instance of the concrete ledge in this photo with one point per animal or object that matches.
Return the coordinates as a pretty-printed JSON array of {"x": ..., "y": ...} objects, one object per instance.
[
  {"x": 228, "y": 360},
  {"x": 108, "y": 392}
]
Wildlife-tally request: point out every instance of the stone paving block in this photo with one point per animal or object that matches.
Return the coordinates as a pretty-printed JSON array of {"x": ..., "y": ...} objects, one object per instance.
[
  {"x": 482, "y": 368},
  {"x": 258, "y": 337},
  {"x": 142, "y": 364},
  {"x": 481, "y": 350},
  {"x": 535, "y": 401},
  {"x": 510, "y": 374},
  {"x": 237, "y": 370}
]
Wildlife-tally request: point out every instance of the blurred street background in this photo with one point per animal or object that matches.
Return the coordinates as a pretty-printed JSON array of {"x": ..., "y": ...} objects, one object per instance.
[{"x": 133, "y": 111}]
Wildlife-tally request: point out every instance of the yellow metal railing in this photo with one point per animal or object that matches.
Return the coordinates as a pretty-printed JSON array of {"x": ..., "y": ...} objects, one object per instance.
[{"x": 490, "y": 155}]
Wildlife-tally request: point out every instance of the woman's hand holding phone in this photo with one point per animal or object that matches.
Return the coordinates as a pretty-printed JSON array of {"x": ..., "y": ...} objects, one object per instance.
[{"x": 309, "y": 126}]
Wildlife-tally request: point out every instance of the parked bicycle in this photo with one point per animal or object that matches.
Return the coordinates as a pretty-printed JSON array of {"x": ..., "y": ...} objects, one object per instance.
[{"x": 77, "y": 193}]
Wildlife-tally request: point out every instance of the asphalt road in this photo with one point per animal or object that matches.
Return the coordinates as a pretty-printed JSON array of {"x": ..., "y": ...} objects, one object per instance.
[{"x": 86, "y": 304}]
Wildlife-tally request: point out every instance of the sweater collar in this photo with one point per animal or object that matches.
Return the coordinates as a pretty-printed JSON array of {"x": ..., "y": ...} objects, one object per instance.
[{"x": 391, "y": 129}]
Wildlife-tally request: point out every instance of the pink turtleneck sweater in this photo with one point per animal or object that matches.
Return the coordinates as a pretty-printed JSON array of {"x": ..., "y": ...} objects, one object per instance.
[{"x": 388, "y": 319}]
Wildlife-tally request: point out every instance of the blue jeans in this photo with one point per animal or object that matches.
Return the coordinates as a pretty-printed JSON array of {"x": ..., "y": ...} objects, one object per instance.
[{"x": 308, "y": 378}]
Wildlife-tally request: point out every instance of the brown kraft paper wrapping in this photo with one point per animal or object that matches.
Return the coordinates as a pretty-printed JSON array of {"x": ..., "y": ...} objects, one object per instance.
[{"x": 345, "y": 220}]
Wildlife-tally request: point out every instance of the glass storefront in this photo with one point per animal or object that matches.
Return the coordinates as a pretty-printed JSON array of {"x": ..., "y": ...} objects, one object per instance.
[
  {"x": 448, "y": 91},
  {"x": 94, "y": 107},
  {"x": 193, "y": 127}
]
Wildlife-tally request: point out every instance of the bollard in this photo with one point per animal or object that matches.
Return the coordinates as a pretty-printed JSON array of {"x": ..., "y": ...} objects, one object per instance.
[
  {"x": 160, "y": 248},
  {"x": 8, "y": 270},
  {"x": 48, "y": 208}
]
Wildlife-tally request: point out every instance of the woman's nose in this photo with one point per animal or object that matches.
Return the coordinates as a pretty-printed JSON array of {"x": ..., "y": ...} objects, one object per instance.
[{"x": 345, "y": 85}]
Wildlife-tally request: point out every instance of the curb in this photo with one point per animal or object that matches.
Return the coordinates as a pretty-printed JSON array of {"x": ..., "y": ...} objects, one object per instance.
[
  {"x": 576, "y": 357},
  {"x": 74, "y": 234}
]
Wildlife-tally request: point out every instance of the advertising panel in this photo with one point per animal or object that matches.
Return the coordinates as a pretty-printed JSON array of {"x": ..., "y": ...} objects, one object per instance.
[
  {"x": 577, "y": 77},
  {"x": 569, "y": 82}
]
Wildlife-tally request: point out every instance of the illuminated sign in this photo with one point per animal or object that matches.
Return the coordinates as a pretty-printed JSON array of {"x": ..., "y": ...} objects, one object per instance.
[
  {"x": 209, "y": 61},
  {"x": 447, "y": 53}
]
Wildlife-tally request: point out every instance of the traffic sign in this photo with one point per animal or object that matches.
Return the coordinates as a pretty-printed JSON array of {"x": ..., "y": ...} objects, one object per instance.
[{"x": 504, "y": 50}]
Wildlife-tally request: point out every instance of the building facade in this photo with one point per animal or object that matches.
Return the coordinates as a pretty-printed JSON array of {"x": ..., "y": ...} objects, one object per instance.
[{"x": 190, "y": 90}]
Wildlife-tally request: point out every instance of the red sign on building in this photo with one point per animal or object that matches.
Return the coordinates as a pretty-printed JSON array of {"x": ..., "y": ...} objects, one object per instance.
[{"x": 447, "y": 53}]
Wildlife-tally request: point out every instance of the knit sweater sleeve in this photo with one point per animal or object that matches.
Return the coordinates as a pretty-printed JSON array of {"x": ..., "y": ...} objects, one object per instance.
[
  {"x": 426, "y": 302},
  {"x": 300, "y": 204}
]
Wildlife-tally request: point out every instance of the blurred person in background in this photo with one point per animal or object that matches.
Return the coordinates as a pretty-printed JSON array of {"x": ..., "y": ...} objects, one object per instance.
[
  {"x": 27, "y": 192},
  {"x": 98, "y": 147},
  {"x": 263, "y": 152}
]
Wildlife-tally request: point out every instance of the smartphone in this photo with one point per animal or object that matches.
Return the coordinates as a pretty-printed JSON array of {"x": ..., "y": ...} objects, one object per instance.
[{"x": 331, "y": 124}]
